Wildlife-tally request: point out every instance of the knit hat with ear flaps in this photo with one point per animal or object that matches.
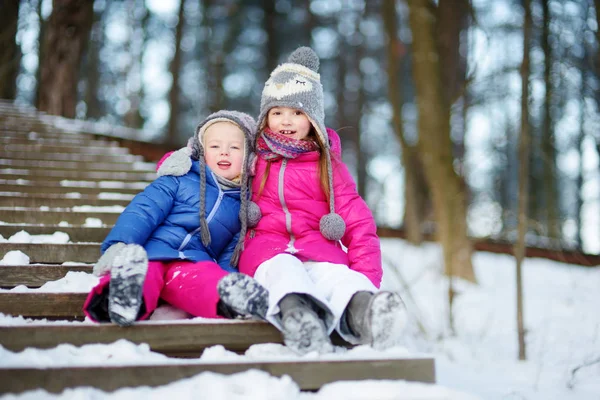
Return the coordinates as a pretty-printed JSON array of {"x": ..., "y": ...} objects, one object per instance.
[
  {"x": 248, "y": 126},
  {"x": 297, "y": 84}
]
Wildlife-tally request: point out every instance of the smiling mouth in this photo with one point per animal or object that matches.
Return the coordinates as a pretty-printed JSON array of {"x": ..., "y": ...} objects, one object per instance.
[
  {"x": 224, "y": 164},
  {"x": 287, "y": 132}
]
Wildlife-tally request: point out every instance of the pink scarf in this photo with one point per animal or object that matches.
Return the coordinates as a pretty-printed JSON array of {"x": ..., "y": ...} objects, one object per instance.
[{"x": 272, "y": 146}]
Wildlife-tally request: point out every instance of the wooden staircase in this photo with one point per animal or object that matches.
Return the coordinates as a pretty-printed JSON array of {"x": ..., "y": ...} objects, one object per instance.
[{"x": 50, "y": 170}]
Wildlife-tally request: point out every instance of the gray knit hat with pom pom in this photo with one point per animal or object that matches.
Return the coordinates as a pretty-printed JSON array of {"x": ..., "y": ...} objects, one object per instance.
[
  {"x": 179, "y": 163},
  {"x": 297, "y": 84}
]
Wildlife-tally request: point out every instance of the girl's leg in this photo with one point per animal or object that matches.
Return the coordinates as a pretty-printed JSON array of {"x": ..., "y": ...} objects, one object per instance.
[
  {"x": 96, "y": 304},
  {"x": 192, "y": 287},
  {"x": 338, "y": 283},
  {"x": 363, "y": 316},
  {"x": 296, "y": 307}
]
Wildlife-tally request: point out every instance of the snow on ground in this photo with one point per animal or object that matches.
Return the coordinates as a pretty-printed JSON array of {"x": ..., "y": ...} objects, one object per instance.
[{"x": 479, "y": 361}]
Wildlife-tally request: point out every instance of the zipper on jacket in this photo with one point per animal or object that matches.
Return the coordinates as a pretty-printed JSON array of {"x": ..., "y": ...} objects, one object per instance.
[
  {"x": 211, "y": 215},
  {"x": 218, "y": 202},
  {"x": 288, "y": 216}
]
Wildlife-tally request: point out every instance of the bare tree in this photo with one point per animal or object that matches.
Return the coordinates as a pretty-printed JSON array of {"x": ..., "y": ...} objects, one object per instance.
[
  {"x": 10, "y": 57},
  {"x": 355, "y": 116},
  {"x": 415, "y": 189},
  {"x": 435, "y": 146},
  {"x": 41, "y": 35},
  {"x": 548, "y": 149},
  {"x": 136, "y": 45},
  {"x": 175, "y": 69},
  {"x": 92, "y": 79},
  {"x": 524, "y": 154},
  {"x": 64, "y": 43}
]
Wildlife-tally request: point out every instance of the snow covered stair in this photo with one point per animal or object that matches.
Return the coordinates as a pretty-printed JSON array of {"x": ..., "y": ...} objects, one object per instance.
[
  {"x": 175, "y": 338},
  {"x": 49, "y": 171},
  {"x": 308, "y": 374}
]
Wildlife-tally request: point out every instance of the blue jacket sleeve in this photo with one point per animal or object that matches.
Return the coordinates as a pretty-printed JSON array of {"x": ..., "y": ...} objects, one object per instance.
[
  {"x": 224, "y": 259},
  {"x": 144, "y": 214}
]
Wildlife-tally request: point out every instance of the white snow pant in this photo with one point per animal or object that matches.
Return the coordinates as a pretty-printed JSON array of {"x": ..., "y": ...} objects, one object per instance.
[{"x": 331, "y": 286}]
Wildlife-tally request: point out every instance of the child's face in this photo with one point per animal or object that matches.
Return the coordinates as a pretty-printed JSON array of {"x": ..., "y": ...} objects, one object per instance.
[
  {"x": 289, "y": 122},
  {"x": 224, "y": 149}
]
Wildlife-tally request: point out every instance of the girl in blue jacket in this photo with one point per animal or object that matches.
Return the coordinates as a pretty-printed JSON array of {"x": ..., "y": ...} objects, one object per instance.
[{"x": 180, "y": 238}]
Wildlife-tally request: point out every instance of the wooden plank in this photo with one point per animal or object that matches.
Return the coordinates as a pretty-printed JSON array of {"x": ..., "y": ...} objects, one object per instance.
[
  {"x": 33, "y": 138},
  {"x": 174, "y": 339},
  {"x": 40, "y": 186},
  {"x": 59, "y": 175},
  {"x": 36, "y": 275},
  {"x": 51, "y": 253},
  {"x": 80, "y": 165},
  {"x": 14, "y": 199},
  {"x": 87, "y": 150},
  {"x": 33, "y": 155},
  {"x": 42, "y": 305},
  {"x": 76, "y": 233},
  {"x": 55, "y": 216},
  {"x": 309, "y": 375}
]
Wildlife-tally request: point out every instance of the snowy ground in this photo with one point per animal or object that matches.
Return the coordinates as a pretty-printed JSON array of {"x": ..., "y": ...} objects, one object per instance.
[{"x": 479, "y": 361}]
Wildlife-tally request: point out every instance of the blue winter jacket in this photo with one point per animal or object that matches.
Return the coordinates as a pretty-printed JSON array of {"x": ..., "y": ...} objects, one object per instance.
[{"x": 164, "y": 219}]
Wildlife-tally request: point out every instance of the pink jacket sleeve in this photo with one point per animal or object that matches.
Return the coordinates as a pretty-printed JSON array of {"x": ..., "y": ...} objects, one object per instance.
[
  {"x": 364, "y": 251},
  {"x": 162, "y": 160}
]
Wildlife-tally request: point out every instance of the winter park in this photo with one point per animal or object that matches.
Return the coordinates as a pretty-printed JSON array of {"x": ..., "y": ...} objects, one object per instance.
[{"x": 283, "y": 199}]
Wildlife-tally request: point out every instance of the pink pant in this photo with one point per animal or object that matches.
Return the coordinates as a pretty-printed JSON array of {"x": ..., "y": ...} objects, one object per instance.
[{"x": 189, "y": 286}]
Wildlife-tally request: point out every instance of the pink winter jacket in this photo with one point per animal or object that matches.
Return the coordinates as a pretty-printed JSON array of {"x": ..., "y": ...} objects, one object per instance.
[{"x": 306, "y": 203}]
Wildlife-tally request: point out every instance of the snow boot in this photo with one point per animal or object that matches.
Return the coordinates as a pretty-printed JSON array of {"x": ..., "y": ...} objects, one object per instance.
[
  {"x": 377, "y": 319},
  {"x": 244, "y": 295},
  {"x": 126, "y": 284},
  {"x": 303, "y": 330}
]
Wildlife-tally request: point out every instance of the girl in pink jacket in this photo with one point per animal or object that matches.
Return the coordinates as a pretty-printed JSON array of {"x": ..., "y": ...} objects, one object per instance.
[{"x": 305, "y": 208}]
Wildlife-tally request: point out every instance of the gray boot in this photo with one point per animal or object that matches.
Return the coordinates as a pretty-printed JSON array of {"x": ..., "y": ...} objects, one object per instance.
[
  {"x": 303, "y": 330},
  {"x": 126, "y": 284},
  {"x": 377, "y": 319},
  {"x": 244, "y": 295}
]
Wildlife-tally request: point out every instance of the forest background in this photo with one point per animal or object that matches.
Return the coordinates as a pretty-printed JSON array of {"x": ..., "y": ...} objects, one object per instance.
[{"x": 459, "y": 119}]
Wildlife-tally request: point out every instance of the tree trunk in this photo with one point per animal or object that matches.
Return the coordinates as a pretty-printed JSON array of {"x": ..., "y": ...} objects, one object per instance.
[
  {"x": 206, "y": 85},
  {"x": 41, "y": 35},
  {"x": 356, "y": 115},
  {"x": 93, "y": 105},
  {"x": 524, "y": 154},
  {"x": 435, "y": 146},
  {"x": 67, "y": 33},
  {"x": 549, "y": 186},
  {"x": 269, "y": 25},
  {"x": 138, "y": 27},
  {"x": 175, "y": 69},
  {"x": 10, "y": 57},
  {"x": 415, "y": 189}
]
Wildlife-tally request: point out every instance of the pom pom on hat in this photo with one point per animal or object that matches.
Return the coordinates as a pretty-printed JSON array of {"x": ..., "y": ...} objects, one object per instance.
[
  {"x": 254, "y": 214},
  {"x": 305, "y": 56},
  {"x": 332, "y": 226}
]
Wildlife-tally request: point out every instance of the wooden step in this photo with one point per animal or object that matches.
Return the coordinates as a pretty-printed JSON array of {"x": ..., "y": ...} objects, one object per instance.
[
  {"x": 76, "y": 233},
  {"x": 70, "y": 187},
  {"x": 34, "y": 200},
  {"x": 54, "y": 216},
  {"x": 41, "y": 148},
  {"x": 137, "y": 166},
  {"x": 60, "y": 175},
  {"x": 43, "y": 304},
  {"x": 175, "y": 339},
  {"x": 35, "y": 275},
  {"x": 309, "y": 375},
  {"x": 35, "y": 155},
  {"x": 31, "y": 138},
  {"x": 51, "y": 253}
]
